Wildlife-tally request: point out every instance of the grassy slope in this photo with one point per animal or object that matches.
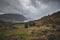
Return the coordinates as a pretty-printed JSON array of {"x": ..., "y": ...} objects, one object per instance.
[{"x": 27, "y": 33}]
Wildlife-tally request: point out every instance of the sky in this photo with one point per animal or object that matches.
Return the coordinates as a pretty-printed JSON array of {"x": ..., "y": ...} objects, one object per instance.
[{"x": 31, "y": 9}]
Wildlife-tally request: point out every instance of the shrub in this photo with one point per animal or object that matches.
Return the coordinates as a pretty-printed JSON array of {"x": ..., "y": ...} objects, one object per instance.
[
  {"x": 47, "y": 25},
  {"x": 26, "y": 25},
  {"x": 51, "y": 37},
  {"x": 58, "y": 37},
  {"x": 23, "y": 37},
  {"x": 54, "y": 26},
  {"x": 34, "y": 24}
]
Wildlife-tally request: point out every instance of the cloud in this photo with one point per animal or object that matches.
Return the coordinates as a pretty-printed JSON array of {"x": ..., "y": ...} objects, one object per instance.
[
  {"x": 38, "y": 8},
  {"x": 32, "y": 9}
]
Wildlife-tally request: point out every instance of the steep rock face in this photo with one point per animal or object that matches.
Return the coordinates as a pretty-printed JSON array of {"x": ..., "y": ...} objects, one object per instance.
[{"x": 9, "y": 17}]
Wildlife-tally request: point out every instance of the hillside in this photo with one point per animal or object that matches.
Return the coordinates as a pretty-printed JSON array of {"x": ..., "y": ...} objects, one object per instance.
[{"x": 50, "y": 19}]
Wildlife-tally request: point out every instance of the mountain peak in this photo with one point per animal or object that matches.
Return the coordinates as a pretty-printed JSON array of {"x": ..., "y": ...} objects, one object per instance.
[{"x": 10, "y": 17}]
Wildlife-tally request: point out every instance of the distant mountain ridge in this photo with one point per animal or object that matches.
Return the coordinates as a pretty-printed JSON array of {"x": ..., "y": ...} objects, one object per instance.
[{"x": 9, "y": 17}]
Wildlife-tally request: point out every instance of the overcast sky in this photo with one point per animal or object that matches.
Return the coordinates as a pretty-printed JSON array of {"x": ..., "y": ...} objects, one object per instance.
[{"x": 32, "y": 9}]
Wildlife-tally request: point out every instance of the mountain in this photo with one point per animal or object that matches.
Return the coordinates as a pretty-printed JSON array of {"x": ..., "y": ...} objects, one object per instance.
[
  {"x": 9, "y": 17},
  {"x": 50, "y": 19}
]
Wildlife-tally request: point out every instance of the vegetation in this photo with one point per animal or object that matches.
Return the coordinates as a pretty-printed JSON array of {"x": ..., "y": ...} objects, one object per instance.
[{"x": 46, "y": 28}]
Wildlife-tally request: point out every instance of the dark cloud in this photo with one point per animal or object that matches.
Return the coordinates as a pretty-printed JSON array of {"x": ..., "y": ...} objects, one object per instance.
[
  {"x": 3, "y": 4},
  {"x": 46, "y": 1},
  {"x": 9, "y": 6}
]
